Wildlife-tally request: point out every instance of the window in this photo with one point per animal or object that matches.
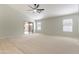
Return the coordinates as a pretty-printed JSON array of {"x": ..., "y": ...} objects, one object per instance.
[
  {"x": 39, "y": 26},
  {"x": 67, "y": 25}
]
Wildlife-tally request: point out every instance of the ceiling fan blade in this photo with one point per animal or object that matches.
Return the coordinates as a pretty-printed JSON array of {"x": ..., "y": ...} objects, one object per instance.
[
  {"x": 29, "y": 10},
  {"x": 41, "y": 9},
  {"x": 30, "y": 7},
  {"x": 37, "y": 5}
]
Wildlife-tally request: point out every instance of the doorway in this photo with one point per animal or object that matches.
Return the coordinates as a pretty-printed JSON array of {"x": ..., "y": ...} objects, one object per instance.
[{"x": 28, "y": 28}]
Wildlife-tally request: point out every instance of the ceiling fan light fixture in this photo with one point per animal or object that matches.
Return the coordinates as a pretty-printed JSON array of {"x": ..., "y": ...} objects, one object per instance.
[{"x": 35, "y": 10}]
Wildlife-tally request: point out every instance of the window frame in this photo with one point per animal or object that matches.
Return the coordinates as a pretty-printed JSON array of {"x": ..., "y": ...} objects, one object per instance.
[{"x": 67, "y": 25}]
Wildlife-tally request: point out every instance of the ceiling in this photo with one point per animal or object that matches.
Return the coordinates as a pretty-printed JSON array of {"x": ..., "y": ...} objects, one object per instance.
[{"x": 51, "y": 10}]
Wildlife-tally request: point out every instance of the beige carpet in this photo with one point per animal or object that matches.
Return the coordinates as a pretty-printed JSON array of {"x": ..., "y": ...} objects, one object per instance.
[{"x": 39, "y": 43}]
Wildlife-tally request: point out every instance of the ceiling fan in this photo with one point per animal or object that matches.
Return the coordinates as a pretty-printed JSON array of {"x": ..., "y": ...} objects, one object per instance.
[{"x": 35, "y": 9}]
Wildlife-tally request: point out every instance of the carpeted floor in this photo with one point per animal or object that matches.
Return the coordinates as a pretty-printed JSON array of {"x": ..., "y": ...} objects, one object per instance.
[{"x": 39, "y": 44}]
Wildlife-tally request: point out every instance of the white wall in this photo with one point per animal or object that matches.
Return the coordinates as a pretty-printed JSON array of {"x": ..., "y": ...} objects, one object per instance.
[
  {"x": 11, "y": 22},
  {"x": 54, "y": 26}
]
